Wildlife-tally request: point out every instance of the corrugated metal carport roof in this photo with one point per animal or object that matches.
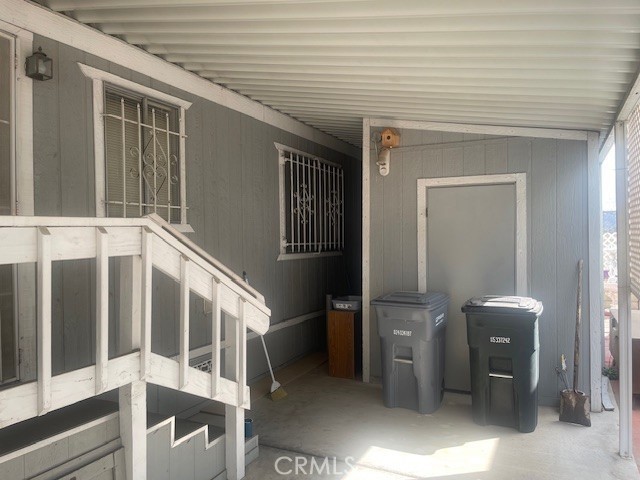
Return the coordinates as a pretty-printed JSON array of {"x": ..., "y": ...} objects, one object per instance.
[{"x": 541, "y": 63}]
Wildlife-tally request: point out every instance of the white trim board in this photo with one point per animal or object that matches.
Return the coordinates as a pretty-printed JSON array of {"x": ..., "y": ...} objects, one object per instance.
[
  {"x": 22, "y": 120},
  {"x": 98, "y": 78},
  {"x": 283, "y": 257},
  {"x": 606, "y": 146},
  {"x": 501, "y": 130},
  {"x": 624, "y": 294},
  {"x": 23, "y": 192},
  {"x": 206, "y": 349},
  {"x": 630, "y": 101},
  {"x": 366, "y": 250},
  {"x": 42, "y": 21},
  {"x": 97, "y": 74},
  {"x": 594, "y": 261},
  {"x": 520, "y": 182}
]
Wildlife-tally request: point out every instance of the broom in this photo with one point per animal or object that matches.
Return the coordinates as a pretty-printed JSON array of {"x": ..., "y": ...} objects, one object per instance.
[
  {"x": 276, "y": 392},
  {"x": 574, "y": 404}
]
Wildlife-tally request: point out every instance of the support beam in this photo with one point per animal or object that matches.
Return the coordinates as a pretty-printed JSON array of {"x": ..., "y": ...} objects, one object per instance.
[
  {"x": 366, "y": 246},
  {"x": 184, "y": 321},
  {"x": 242, "y": 352},
  {"x": 624, "y": 293},
  {"x": 147, "y": 294},
  {"x": 132, "y": 397},
  {"x": 596, "y": 287},
  {"x": 44, "y": 320},
  {"x": 133, "y": 428},
  {"x": 129, "y": 323},
  {"x": 215, "y": 337},
  {"x": 102, "y": 309},
  {"x": 234, "y": 416}
]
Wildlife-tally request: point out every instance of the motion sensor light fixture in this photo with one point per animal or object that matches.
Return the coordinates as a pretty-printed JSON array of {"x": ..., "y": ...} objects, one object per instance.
[
  {"x": 383, "y": 161},
  {"x": 389, "y": 138},
  {"x": 38, "y": 66}
]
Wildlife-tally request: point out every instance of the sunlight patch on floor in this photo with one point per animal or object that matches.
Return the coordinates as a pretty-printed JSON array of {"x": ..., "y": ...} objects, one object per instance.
[{"x": 472, "y": 457}]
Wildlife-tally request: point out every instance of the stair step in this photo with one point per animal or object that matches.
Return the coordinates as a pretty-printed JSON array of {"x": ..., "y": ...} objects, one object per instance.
[
  {"x": 185, "y": 427},
  {"x": 212, "y": 419},
  {"x": 154, "y": 419}
]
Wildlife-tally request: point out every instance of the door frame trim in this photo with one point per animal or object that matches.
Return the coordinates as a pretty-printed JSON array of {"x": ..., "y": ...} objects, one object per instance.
[{"x": 517, "y": 179}]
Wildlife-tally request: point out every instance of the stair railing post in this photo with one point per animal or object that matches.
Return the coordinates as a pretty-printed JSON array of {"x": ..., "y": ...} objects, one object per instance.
[
  {"x": 102, "y": 310},
  {"x": 184, "y": 322},
  {"x": 147, "y": 293},
  {"x": 234, "y": 414},
  {"x": 44, "y": 320},
  {"x": 132, "y": 397},
  {"x": 216, "y": 314}
]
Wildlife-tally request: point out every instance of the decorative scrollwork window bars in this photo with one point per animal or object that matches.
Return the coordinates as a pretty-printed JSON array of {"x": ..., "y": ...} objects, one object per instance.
[
  {"x": 311, "y": 203},
  {"x": 143, "y": 164}
]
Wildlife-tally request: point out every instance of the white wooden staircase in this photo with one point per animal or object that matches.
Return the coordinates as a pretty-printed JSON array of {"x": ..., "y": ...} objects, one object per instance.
[
  {"x": 83, "y": 441},
  {"x": 142, "y": 244}
]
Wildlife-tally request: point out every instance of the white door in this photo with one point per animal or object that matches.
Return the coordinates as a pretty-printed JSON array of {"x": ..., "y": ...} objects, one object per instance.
[{"x": 471, "y": 251}]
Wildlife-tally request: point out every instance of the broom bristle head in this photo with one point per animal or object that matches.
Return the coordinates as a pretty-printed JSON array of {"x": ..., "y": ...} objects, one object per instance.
[{"x": 278, "y": 394}]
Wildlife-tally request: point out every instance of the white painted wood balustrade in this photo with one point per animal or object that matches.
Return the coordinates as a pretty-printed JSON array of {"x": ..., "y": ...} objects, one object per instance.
[{"x": 142, "y": 244}]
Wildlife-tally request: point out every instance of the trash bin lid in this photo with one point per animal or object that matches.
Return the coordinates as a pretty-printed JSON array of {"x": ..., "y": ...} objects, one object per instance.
[
  {"x": 422, "y": 300},
  {"x": 503, "y": 304}
]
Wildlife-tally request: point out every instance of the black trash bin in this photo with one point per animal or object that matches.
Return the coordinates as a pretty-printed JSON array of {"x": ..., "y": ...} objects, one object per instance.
[
  {"x": 412, "y": 328},
  {"x": 502, "y": 333}
]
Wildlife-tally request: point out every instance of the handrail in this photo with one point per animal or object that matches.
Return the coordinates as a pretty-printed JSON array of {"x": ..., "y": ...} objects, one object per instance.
[
  {"x": 156, "y": 223},
  {"x": 149, "y": 243},
  {"x": 204, "y": 254}
]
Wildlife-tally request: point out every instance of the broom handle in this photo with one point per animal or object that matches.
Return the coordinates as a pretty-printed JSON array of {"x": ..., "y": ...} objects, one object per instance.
[
  {"x": 266, "y": 354},
  {"x": 264, "y": 345},
  {"x": 576, "y": 353}
]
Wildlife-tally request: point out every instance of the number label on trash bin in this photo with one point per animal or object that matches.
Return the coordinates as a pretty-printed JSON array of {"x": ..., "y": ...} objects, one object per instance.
[
  {"x": 439, "y": 319},
  {"x": 403, "y": 333},
  {"x": 500, "y": 339}
]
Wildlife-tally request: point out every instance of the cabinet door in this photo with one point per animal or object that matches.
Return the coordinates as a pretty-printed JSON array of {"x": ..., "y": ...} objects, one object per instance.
[{"x": 340, "y": 339}]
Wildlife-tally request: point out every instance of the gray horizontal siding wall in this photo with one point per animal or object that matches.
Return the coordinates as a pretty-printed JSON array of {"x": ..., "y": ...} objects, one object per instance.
[
  {"x": 232, "y": 193},
  {"x": 557, "y": 228}
]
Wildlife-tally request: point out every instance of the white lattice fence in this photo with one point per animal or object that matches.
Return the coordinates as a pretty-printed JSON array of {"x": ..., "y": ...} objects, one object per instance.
[{"x": 633, "y": 163}]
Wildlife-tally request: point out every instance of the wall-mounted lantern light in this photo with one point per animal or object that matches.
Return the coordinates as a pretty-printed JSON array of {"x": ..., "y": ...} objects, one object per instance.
[{"x": 39, "y": 66}]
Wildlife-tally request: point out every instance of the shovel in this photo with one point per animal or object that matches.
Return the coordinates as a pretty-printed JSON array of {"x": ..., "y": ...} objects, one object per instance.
[{"x": 574, "y": 404}]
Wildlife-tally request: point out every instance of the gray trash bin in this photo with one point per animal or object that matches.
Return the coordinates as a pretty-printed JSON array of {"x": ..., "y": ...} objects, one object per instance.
[
  {"x": 504, "y": 350},
  {"x": 412, "y": 329}
]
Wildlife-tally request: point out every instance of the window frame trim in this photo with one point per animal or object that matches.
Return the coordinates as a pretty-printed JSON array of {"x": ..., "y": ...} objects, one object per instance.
[
  {"x": 22, "y": 189},
  {"x": 99, "y": 78},
  {"x": 283, "y": 254}
]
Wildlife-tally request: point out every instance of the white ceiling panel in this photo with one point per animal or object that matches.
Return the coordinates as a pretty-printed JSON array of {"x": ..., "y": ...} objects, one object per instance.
[{"x": 539, "y": 63}]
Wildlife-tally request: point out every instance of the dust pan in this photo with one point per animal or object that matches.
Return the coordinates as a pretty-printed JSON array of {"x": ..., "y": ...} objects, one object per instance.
[{"x": 575, "y": 406}]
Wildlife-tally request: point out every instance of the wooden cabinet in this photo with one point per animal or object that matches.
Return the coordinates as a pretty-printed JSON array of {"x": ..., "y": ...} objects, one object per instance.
[{"x": 344, "y": 341}]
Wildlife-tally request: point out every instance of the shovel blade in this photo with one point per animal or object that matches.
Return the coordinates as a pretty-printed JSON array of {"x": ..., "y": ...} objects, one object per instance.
[{"x": 575, "y": 407}]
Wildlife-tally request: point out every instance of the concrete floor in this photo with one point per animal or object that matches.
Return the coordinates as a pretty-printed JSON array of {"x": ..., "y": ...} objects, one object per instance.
[{"x": 342, "y": 419}]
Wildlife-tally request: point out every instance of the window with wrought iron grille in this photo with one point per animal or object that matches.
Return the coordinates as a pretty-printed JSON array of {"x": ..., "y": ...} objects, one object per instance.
[
  {"x": 143, "y": 162},
  {"x": 311, "y": 204}
]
